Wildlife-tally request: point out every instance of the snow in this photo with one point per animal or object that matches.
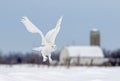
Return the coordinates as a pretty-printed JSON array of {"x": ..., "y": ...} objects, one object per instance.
[
  {"x": 44, "y": 73},
  {"x": 85, "y": 51},
  {"x": 95, "y": 30}
]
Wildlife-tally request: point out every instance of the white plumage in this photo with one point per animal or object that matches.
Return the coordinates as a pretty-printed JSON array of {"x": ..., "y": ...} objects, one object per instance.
[{"x": 48, "y": 41}]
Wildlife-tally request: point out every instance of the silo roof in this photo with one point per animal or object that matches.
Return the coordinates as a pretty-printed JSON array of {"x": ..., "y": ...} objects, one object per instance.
[{"x": 95, "y": 29}]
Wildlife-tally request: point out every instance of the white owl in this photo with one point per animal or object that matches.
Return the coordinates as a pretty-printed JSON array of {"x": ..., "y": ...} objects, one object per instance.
[{"x": 48, "y": 41}]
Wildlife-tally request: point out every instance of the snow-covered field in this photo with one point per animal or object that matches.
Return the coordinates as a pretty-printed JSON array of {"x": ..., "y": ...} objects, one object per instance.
[{"x": 44, "y": 73}]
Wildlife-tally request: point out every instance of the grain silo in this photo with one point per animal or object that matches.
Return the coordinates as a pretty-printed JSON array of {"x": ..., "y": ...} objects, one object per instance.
[{"x": 95, "y": 37}]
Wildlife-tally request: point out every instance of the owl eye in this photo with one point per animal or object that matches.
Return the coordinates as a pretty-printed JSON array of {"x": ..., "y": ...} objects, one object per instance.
[{"x": 52, "y": 46}]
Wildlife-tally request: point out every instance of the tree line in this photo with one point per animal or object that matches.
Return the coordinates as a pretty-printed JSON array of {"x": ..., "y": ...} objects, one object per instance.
[
  {"x": 35, "y": 58},
  {"x": 27, "y": 58},
  {"x": 114, "y": 56}
]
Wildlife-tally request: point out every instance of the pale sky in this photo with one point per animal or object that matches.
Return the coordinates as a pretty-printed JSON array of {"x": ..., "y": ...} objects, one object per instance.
[{"x": 80, "y": 16}]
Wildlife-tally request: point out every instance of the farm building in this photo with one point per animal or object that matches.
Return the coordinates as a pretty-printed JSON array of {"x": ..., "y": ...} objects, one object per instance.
[{"x": 82, "y": 55}]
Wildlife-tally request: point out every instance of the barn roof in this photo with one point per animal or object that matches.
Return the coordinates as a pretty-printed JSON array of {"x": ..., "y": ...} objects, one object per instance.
[{"x": 85, "y": 51}]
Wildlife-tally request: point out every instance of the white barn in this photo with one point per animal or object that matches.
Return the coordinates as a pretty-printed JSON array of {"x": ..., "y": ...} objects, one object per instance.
[{"x": 82, "y": 55}]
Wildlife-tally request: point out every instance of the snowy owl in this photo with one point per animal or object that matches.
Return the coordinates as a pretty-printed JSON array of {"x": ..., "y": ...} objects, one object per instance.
[{"x": 48, "y": 41}]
